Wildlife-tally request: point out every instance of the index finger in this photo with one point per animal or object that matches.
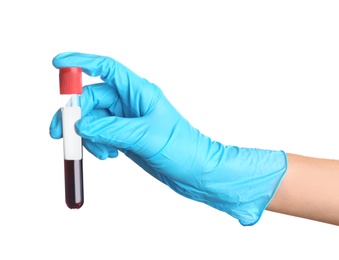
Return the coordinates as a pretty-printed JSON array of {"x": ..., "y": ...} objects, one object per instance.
[
  {"x": 93, "y": 65},
  {"x": 136, "y": 92}
]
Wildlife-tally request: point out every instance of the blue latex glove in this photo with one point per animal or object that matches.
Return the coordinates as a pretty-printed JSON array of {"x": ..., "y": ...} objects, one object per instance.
[{"x": 130, "y": 114}]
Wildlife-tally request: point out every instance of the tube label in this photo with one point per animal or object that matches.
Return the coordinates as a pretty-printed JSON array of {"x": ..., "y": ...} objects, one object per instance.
[{"x": 72, "y": 141}]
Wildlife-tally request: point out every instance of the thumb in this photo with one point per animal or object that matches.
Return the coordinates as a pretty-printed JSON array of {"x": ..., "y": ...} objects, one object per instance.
[{"x": 121, "y": 133}]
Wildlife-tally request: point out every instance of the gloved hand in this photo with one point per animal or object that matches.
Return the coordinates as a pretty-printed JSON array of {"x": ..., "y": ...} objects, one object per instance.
[{"x": 130, "y": 114}]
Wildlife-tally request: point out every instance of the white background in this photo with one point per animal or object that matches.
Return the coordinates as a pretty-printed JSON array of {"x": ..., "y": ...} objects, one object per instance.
[{"x": 258, "y": 74}]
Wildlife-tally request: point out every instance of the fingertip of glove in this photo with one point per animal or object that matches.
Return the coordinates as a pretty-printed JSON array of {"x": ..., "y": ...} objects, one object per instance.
[
  {"x": 101, "y": 156},
  {"x": 58, "y": 60},
  {"x": 113, "y": 154},
  {"x": 80, "y": 126},
  {"x": 107, "y": 154},
  {"x": 55, "y": 129},
  {"x": 55, "y": 134},
  {"x": 86, "y": 126}
]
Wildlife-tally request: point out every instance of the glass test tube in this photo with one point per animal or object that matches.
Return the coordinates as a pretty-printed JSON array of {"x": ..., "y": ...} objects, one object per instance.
[{"x": 70, "y": 80}]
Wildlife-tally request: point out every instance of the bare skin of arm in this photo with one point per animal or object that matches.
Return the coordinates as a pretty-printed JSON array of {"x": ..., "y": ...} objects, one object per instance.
[{"x": 310, "y": 190}]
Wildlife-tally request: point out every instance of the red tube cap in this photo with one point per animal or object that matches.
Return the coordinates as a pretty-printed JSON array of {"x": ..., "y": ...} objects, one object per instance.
[{"x": 70, "y": 80}]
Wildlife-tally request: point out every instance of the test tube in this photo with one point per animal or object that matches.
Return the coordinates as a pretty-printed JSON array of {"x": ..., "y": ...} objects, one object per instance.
[{"x": 70, "y": 80}]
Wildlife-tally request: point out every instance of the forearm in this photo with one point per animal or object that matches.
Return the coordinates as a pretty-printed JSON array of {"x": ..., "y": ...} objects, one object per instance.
[{"x": 310, "y": 189}]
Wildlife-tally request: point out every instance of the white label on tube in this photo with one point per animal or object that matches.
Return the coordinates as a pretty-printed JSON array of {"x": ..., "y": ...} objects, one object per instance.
[{"x": 72, "y": 141}]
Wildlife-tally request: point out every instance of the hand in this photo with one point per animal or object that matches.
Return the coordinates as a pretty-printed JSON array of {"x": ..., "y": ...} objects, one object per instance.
[{"x": 130, "y": 114}]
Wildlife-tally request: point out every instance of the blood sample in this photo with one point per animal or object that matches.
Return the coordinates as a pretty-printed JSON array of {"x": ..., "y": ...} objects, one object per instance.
[
  {"x": 70, "y": 80},
  {"x": 73, "y": 183}
]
